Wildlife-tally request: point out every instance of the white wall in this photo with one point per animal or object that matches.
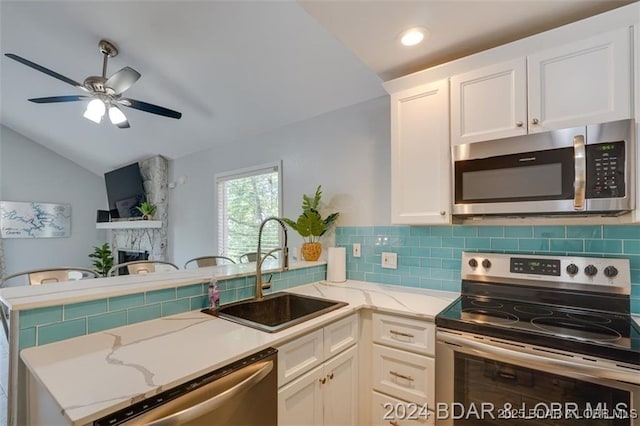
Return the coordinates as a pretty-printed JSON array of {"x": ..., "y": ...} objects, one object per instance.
[
  {"x": 347, "y": 151},
  {"x": 31, "y": 172}
]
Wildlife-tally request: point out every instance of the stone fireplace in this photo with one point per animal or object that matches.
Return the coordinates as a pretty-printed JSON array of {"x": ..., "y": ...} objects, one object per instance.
[{"x": 153, "y": 241}]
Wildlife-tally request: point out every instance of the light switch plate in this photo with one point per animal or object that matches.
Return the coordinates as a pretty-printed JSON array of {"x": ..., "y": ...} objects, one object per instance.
[
  {"x": 389, "y": 260},
  {"x": 356, "y": 249}
]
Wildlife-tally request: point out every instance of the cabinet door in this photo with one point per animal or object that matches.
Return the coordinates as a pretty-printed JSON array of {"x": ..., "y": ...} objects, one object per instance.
[
  {"x": 586, "y": 82},
  {"x": 299, "y": 356},
  {"x": 340, "y": 335},
  {"x": 300, "y": 402},
  {"x": 420, "y": 155},
  {"x": 489, "y": 103},
  {"x": 341, "y": 391}
]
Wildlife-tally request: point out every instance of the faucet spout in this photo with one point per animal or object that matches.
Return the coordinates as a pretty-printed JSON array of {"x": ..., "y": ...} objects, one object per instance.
[{"x": 260, "y": 259}]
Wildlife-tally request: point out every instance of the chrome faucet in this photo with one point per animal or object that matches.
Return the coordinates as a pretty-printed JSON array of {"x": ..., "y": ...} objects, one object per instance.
[{"x": 260, "y": 259}]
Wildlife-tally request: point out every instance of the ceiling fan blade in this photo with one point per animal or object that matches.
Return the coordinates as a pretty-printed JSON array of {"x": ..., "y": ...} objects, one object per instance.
[
  {"x": 122, "y": 80},
  {"x": 123, "y": 125},
  {"x": 43, "y": 69},
  {"x": 147, "y": 107},
  {"x": 53, "y": 99}
]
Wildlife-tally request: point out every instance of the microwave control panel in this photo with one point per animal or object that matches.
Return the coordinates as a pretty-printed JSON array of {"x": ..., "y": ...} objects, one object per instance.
[{"x": 605, "y": 170}]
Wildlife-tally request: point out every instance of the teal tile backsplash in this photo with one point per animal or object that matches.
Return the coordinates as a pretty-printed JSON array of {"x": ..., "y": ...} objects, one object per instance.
[
  {"x": 51, "y": 324},
  {"x": 429, "y": 256}
]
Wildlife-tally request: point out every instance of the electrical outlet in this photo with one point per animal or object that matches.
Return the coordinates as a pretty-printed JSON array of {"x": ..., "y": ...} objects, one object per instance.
[
  {"x": 389, "y": 260},
  {"x": 356, "y": 249}
]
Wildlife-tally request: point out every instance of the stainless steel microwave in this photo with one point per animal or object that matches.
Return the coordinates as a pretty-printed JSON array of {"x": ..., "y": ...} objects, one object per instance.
[{"x": 582, "y": 170}]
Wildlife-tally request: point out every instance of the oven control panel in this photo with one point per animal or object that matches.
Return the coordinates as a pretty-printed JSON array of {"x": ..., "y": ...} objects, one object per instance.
[{"x": 560, "y": 269}]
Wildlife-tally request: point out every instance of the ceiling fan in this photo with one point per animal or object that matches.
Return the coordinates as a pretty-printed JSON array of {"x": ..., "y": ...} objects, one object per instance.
[{"x": 103, "y": 93}]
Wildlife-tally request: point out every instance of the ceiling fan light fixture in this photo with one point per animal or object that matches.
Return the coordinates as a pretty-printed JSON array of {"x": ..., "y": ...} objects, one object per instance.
[
  {"x": 95, "y": 110},
  {"x": 116, "y": 116},
  {"x": 413, "y": 36}
]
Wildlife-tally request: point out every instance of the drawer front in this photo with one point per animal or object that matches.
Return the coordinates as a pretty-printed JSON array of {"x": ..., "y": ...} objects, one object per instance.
[
  {"x": 404, "y": 375},
  {"x": 388, "y": 411},
  {"x": 299, "y": 356},
  {"x": 340, "y": 335},
  {"x": 404, "y": 333}
]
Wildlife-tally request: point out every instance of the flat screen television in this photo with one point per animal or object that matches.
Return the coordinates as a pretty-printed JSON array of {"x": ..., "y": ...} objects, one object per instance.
[{"x": 125, "y": 191}]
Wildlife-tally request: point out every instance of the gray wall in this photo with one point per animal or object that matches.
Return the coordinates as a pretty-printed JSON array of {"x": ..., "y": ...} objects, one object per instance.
[
  {"x": 346, "y": 151},
  {"x": 30, "y": 172}
]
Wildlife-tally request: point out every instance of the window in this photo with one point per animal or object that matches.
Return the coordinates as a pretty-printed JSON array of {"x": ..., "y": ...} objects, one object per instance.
[{"x": 245, "y": 198}]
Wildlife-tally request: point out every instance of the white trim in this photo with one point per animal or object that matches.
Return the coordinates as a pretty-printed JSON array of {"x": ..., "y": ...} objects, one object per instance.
[{"x": 130, "y": 224}]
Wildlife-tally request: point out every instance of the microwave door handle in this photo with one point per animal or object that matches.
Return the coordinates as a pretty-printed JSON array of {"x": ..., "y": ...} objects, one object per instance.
[{"x": 580, "y": 165}]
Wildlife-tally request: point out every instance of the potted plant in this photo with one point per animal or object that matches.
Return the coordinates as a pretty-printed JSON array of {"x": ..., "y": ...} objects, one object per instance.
[
  {"x": 147, "y": 209},
  {"x": 103, "y": 259},
  {"x": 311, "y": 226}
]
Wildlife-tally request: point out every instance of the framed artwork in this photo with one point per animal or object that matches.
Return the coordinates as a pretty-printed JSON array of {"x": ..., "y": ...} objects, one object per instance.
[{"x": 34, "y": 220}]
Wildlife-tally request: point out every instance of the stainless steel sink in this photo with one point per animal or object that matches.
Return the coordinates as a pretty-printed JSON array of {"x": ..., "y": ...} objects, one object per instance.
[{"x": 278, "y": 311}]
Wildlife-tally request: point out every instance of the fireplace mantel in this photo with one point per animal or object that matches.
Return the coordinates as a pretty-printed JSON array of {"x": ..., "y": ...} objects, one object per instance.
[{"x": 130, "y": 224}]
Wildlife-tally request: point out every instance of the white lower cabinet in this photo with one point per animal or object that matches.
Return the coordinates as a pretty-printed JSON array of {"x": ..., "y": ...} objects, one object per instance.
[
  {"x": 403, "y": 371},
  {"x": 320, "y": 390}
]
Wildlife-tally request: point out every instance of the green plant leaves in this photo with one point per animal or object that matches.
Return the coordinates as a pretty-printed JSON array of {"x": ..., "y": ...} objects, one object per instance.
[
  {"x": 310, "y": 224},
  {"x": 103, "y": 259}
]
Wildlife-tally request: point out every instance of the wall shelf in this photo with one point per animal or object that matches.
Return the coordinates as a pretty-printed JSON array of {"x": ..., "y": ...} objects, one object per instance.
[{"x": 130, "y": 224}]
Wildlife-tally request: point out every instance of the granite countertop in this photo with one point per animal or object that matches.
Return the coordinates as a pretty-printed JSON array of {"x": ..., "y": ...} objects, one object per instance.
[
  {"x": 114, "y": 368},
  {"x": 38, "y": 296}
]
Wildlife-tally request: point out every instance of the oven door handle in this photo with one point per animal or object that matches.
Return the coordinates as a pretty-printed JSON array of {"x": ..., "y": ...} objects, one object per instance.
[
  {"x": 580, "y": 167},
  {"x": 546, "y": 363}
]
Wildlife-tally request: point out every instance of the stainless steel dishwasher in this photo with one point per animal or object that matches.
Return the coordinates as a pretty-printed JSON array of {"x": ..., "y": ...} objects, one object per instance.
[{"x": 242, "y": 393}]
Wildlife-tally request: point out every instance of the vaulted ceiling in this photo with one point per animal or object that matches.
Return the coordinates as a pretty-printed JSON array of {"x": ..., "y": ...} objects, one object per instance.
[{"x": 233, "y": 68}]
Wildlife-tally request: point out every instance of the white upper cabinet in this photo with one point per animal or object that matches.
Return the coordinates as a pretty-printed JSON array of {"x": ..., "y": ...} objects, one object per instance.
[
  {"x": 575, "y": 84},
  {"x": 489, "y": 103},
  {"x": 581, "y": 83},
  {"x": 420, "y": 155}
]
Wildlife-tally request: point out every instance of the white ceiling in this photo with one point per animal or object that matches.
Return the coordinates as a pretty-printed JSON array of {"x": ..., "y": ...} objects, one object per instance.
[{"x": 233, "y": 68}]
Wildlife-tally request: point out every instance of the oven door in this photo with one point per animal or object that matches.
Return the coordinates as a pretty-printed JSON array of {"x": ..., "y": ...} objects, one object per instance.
[{"x": 488, "y": 381}]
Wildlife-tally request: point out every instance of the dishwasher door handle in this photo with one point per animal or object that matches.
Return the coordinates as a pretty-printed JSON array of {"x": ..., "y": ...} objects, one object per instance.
[{"x": 211, "y": 404}]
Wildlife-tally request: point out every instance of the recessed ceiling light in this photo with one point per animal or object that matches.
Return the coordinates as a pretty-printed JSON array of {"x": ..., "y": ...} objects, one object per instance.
[{"x": 413, "y": 36}]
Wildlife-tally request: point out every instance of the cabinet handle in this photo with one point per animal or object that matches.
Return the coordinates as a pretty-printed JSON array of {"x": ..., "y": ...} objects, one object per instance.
[
  {"x": 399, "y": 333},
  {"x": 394, "y": 423},
  {"x": 323, "y": 380},
  {"x": 519, "y": 124},
  {"x": 534, "y": 121},
  {"x": 442, "y": 212},
  {"x": 330, "y": 376},
  {"x": 401, "y": 376}
]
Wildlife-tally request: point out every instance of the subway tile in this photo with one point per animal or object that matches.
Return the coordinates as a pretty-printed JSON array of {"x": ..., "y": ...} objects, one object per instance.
[
  {"x": 408, "y": 261},
  {"x": 143, "y": 313},
  {"x": 198, "y": 302},
  {"x": 632, "y": 246},
  {"x": 504, "y": 243},
  {"x": 533, "y": 244},
  {"x": 365, "y": 267},
  {"x": 61, "y": 331},
  {"x": 419, "y": 231},
  {"x": 431, "y": 283},
  {"x": 84, "y": 309},
  {"x": 430, "y": 241},
  {"x": 635, "y": 306},
  {"x": 518, "y": 231},
  {"x": 410, "y": 281},
  {"x": 346, "y": 230},
  {"x": 457, "y": 253},
  {"x": 248, "y": 292},
  {"x": 549, "y": 231},
  {"x": 191, "y": 290},
  {"x": 451, "y": 285},
  {"x": 603, "y": 246},
  {"x": 477, "y": 243},
  {"x": 451, "y": 264},
  {"x": 357, "y": 276},
  {"x": 420, "y": 251},
  {"x": 128, "y": 301},
  {"x": 490, "y": 231},
  {"x": 175, "y": 307},
  {"x": 587, "y": 231},
  {"x": 26, "y": 337},
  {"x": 106, "y": 321},
  {"x": 431, "y": 262},
  {"x": 442, "y": 274},
  {"x": 34, "y": 317},
  {"x": 441, "y": 231},
  {"x": 444, "y": 253},
  {"x": 453, "y": 242},
  {"x": 157, "y": 296},
  {"x": 465, "y": 231},
  {"x": 364, "y": 230},
  {"x": 566, "y": 245},
  {"x": 622, "y": 232}
]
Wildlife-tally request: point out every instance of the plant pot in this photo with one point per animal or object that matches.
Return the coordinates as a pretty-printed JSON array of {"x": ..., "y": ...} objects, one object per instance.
[
  {"x": 311, "y": 251},
  {"x": 147, "y": 217}
]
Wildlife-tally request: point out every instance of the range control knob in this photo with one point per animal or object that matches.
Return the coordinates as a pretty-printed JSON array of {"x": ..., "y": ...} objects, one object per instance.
[
  {"x": 486, "y": 264},
  {"x": 590, "y": 270},
  {"x": 610, "y": 271},
  {"x": 572, "y": 269},
  {"x": 473, "y": 263}
]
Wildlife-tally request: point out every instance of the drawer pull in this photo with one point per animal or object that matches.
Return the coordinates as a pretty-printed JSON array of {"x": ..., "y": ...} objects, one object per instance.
[
  {"x": 401, "y": 376},
  {"x": 330, "y": 376},
  {"x": 394, "y": 423},
  {"x": 323, "y": 380},
  {"x": 400, "y": 333}
]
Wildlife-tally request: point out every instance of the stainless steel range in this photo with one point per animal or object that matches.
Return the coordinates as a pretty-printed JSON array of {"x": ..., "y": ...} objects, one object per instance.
[{"x": 539, "y": 340}]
